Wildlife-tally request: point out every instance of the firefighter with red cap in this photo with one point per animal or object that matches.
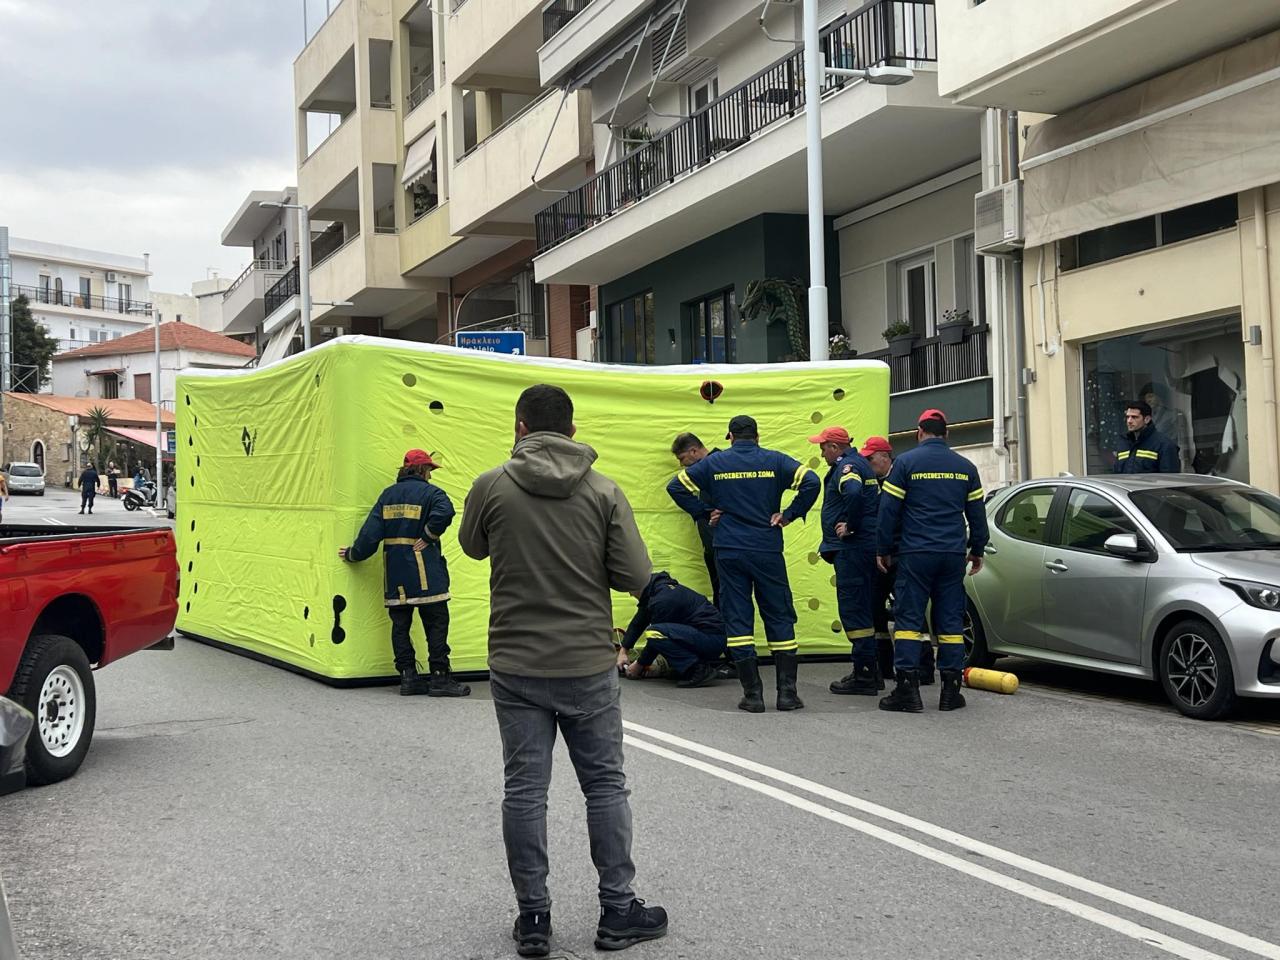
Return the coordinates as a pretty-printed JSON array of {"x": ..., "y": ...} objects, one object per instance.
[
  {"x": 850, "y": 504},
  {"x": 933, "y": 519},
  {"x": 408, "y": 521}
]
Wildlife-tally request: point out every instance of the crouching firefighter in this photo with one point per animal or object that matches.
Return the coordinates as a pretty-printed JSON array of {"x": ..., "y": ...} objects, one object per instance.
[
  {"x": 408, "y": 520},
  {"x": 679, "y": 624}
]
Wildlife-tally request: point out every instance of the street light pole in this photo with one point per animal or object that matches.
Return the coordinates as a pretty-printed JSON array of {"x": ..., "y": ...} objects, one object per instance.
[
  {"x": 304, "y": 263},
  {"x": 157, "y": 395},
  {"x": 819, "y": 339}
]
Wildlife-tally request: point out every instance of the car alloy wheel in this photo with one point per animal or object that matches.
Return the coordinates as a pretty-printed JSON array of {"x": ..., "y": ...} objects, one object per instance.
[{"x": 1192, "y": 669}]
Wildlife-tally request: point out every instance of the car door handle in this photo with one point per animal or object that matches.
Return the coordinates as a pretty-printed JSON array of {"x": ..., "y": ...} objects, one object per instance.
[{"x": 1057, "y": 566}]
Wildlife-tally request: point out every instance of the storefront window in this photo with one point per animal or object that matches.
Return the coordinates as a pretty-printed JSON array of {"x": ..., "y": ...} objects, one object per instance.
[
  {"x": 711, "y": 337},
  {"x": 629, "y": 334},
  {"x": 1193, "y": 377}
]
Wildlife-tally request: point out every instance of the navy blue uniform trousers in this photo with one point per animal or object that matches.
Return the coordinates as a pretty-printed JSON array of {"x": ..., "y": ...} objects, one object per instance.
[
  {"x": 921, "y": 578},
  {"x": 764, "y": 574},
  {"x": 683, "y": 646},
  {"x": 855, "y": 600}
]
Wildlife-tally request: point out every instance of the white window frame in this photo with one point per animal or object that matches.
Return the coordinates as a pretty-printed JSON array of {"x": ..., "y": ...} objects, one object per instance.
[
  {"x": 710, "y": 82},
  {"x": 929, "y": 262}
]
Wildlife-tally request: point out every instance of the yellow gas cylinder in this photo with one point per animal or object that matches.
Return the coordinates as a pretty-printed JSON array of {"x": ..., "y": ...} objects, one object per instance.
[{"x": 994, "y": 680}]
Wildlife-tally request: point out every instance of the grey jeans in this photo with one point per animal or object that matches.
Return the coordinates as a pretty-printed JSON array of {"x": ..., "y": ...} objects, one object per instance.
[{"x": 588, "y": 712}]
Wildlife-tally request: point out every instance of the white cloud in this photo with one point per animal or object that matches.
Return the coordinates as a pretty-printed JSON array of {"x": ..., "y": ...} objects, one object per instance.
[{"x": 176, "y": 215}]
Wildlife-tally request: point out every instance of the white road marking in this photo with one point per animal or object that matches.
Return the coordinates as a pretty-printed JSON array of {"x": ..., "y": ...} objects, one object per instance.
[
  {"x": 1178, "y": 948},
  {"x": 1158, "y": 911},
  {"x": 55, "y": 521}
]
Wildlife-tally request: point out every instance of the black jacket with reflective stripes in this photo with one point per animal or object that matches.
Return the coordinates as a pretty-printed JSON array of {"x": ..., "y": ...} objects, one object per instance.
[
  {"x": 1149, "y": 451},
  {"x": 408, "y": 510}
]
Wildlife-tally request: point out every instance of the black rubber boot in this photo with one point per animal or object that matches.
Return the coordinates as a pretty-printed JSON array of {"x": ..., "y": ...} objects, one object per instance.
[
  {"x": 951, "y": 698},
  {"x": 785, "y": 663},
  {"x": 925, "y": 669},
  {"x": 619, "y": 929},
  {"x": 906, "y": 695},
  {"x": 863, "y": 681},
  {"x": 752, "y": 689},
  {"x": 532, "y": 934},
  {"x": 443, "y": 685},
  {"x": 413, "y": 684}
]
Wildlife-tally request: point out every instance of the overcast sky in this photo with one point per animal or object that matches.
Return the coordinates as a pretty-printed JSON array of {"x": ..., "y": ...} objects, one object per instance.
[{"x": 139, "y": 125}]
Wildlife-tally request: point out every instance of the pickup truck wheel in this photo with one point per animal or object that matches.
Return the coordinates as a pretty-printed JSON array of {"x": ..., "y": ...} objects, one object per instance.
[{"x": 55, "y": 683}]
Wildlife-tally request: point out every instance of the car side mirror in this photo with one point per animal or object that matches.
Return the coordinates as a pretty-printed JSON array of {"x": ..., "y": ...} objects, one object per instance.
[{"x": 1127, "y": 545}]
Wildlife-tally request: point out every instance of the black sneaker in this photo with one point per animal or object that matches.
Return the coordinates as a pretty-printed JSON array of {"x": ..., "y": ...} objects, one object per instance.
[
  {"x": 532, "y": 934},
  {"x": 699, "y": 675},
  {"x": 620, "y": 929}
]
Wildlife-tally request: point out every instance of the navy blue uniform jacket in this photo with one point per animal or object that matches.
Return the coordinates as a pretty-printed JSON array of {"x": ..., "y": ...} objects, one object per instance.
[
  {"x": 408, "y": 510},
  {"x": 666, "y": 601},
  {"x": 746, "y": 482},
  {"x": 1149, "y": 451},
  {"x": 850, "y": 495},
  {"x": 926, "y": 499}
]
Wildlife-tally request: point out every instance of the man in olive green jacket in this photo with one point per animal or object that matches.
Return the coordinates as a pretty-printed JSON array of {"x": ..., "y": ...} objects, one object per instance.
[{"x": 558, "y": 537}]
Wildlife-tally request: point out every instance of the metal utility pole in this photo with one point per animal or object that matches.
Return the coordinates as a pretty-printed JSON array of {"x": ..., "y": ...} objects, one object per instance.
[
  {"x": 819, "y": 339},
  {"x": 158, "y": 395},
  {"x": 6, "y": 333}
]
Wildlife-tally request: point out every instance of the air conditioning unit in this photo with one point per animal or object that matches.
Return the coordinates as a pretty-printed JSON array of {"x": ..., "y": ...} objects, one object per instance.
[
  {"x": 997, "y": 220},
  {"x": 111, "y": 276}
]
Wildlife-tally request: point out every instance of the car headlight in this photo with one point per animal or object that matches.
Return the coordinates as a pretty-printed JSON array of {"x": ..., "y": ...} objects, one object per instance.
[{"x": 1263, "y": 595}]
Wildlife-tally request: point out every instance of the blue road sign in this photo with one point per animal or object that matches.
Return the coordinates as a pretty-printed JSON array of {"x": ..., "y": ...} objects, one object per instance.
[
  {"x": 170, "y": 441},
  {"x": 493, "y": 341}
]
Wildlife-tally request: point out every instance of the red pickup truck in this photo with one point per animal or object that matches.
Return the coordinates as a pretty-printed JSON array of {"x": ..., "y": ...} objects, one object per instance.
[{"x": 73, "y": 599}]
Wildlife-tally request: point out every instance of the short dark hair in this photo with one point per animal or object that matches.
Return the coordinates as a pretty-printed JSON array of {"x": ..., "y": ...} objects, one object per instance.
[
  {"x": 934, "y": 427},
  {"x": 1141, "y": 406},
  {"x": 412, "y": 470},
  {"x": 544, "y": 408},
  {"x": 683, "y": 442}
]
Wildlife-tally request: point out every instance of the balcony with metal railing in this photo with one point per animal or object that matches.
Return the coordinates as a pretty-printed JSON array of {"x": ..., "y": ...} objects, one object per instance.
[
  {"x": 557, "y": 13},
  {"x": 282, "y": 290},
  {"x": 243, "y": 302},
  {"x": 885, "y": 32},
  {"x": 934, "y": 362},
  {"x": 80, "y": 301}
]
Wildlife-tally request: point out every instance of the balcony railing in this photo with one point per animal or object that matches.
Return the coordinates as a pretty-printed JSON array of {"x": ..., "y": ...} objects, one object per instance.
[
  {"x": 508, "y": 121},
  {"x": 80, "y": 301},
  {"x": 933, "y": 363},
  {"x": 557, "y": 13},
  {"x": 281, "y": 290},
  {"x": 261, "y": 264},
  {"x": 424, "y": 89},
  {"x": 897, "y": 32}
]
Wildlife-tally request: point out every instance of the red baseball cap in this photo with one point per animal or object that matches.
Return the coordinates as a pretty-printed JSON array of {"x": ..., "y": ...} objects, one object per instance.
[
  {"x": 932, "y": 415},
  {"x": 420, "y": 458},
  {"x": 875, "y": 445},
  {"x": 832, "y": 435}
]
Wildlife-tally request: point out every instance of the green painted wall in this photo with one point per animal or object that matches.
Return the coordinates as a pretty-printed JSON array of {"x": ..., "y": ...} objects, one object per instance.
[{"x": 768, "y": 246}]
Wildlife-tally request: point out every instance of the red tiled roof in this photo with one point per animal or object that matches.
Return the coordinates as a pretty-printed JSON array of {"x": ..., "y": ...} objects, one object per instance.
[
  {"x": 119, "y": 411},
  {"x": 173, "y": 336}
]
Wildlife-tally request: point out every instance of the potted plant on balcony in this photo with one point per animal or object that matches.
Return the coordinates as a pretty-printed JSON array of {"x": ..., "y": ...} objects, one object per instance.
[
  {"x": 640, "y": 166},
  {"x": 955, "y": 326},
  {"x": 901, "y": 338},
  {"x": 842, "y": 348}
]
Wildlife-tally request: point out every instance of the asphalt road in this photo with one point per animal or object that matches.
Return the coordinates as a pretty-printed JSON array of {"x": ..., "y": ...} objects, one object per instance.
[
  {"x": 231, "y": 809},
  {"x": 61, "y": 507}
]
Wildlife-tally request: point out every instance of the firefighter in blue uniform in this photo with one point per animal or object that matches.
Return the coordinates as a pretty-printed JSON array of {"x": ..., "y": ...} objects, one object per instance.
[
  {"x": 678, "y": 624},
  {"x": 1149, "y": 450},
  {"x": 744, "y": 486},
  {"x": 850, "y": 504},
  {"x": 407, "y": 521},
  {"x": 925, "y": 503}
]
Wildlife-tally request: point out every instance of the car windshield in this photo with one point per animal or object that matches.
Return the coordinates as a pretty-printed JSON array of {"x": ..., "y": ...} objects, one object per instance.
[
  {"x": 24, "y": 470},
  {"x": 1196, "y": 519}
]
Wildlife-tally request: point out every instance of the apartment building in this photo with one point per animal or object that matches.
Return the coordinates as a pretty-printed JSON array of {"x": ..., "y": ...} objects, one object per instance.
[
  {"x": 698, "y": 194},
  {"x": 81, "y": 296},
  {"x": 423, "y": 154},
  {"x": 1150, "y": 186},
  {"x": 270, "y": 235}
]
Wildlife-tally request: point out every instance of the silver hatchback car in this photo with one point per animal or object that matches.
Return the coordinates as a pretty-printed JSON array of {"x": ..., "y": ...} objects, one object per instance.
[
  {"x": 1173, "y": 577},
  {"x": 25, "y": 478}
]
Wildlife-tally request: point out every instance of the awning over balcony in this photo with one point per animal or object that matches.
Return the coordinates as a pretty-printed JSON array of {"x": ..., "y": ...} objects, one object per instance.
[
  {"x": 626, "y": 41},
  {"x": 278, "y": 345},
  {"x": 1206, "y": 130},
  {"x": 419, "y": 159}
]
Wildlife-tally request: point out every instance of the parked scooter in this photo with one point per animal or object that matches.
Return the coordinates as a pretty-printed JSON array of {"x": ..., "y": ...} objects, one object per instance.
[{"x": 144, "y": 496}]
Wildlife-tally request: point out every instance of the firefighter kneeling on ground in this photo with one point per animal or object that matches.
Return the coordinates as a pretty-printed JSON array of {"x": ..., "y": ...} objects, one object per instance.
[
  {"x": 679, "y": 624},
  {"x": 408, "y": 520}
]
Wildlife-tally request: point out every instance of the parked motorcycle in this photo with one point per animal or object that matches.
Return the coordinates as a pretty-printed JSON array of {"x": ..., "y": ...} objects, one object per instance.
[{"x": 144, "y": 496}]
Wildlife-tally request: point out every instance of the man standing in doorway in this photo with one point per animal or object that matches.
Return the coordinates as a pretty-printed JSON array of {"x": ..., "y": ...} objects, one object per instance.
[
  {"x": 407, "y": 521},
  {"x": 928, "y": 498},
  {"x": 743, "y": 488},
  {"x": 850, "y": 503},
  {"x": 1149, "y": 451},
  {"x": 558, "y": 537}
]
